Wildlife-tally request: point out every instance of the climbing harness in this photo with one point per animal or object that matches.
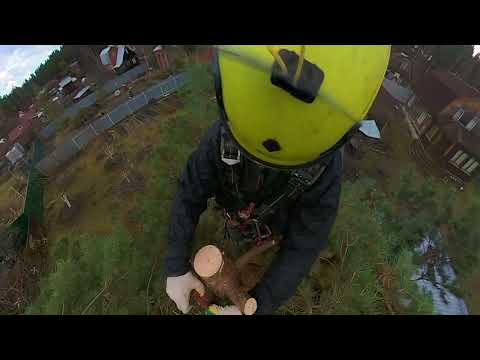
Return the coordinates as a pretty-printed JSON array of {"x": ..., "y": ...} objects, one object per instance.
[{"x": 250, "y": 220}]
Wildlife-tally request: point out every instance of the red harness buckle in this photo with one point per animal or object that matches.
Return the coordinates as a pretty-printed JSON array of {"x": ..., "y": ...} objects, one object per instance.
[{"x": 245, "y": 214}]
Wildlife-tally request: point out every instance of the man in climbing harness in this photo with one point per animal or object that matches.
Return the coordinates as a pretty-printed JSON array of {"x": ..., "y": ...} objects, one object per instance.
[{"x": 273, "y": 159}]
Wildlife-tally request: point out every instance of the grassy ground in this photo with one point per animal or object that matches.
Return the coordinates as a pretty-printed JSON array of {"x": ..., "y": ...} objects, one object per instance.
[
  {"x": 87, "y": 181},
  {"x": 8, "y": 198},
  {"x": 107, "y": 256}
]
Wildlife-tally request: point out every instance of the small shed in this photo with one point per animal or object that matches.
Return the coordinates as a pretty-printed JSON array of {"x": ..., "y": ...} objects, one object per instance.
[
  {"x": 16, "y": 153},
  {"x": 82, "y": 93},
  {"x": 68, "y": 85},
  {"x": 119, "y": 58}
]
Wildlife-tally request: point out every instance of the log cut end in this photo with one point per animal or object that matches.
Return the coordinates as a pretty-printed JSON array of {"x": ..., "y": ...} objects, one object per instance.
[
  {"x": 250, "y": 306},
  {"x": 208, "y": 261}
]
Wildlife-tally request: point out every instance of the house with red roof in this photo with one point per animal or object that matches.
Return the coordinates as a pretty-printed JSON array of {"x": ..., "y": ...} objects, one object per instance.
[{"x": 28, "y": 121}]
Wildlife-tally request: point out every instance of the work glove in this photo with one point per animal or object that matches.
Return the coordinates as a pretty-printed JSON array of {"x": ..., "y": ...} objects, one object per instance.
[
  {"x": 179, "y": 288},
  {"x": 224, "y": 310}
]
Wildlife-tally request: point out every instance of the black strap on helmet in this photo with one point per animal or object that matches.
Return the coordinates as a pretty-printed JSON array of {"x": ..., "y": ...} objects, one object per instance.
[
  {"x": 309, "y": 82},
  {"x": 314, "y": 85}
]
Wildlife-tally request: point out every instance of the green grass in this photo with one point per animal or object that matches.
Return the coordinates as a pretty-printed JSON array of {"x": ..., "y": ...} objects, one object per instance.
[{"x": 113, "y": 255}]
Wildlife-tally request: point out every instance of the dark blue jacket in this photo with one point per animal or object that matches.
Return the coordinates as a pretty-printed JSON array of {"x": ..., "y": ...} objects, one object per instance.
[{"x": 306, "y": 222}]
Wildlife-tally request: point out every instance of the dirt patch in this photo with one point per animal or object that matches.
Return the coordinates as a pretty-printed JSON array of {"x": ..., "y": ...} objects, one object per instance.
[
  {"x": 68, "y": 214},
  {"x": 65, "y": 179},
  {"x": 19, "y": 277},
  {"x": 132, "y": 182},
  {"x": 116, "y": 162},
  {"x": 144, "y": 153},
  {"x": 100, "y": 156}
]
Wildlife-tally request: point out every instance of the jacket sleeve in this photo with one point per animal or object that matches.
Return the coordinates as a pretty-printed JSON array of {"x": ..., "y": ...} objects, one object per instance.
[
  {"x": 310, "y": 223},
  {"x": 196, "y": 185}
]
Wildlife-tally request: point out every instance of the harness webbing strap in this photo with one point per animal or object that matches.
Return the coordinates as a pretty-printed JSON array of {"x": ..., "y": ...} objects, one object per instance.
[{"x": 299, "y": 182}]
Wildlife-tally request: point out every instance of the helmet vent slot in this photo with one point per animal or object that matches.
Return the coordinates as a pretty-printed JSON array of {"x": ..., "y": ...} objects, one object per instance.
[{"x": 271, "y": 145}]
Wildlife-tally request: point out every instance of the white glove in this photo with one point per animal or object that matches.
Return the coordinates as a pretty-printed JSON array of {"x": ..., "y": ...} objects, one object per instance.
[
  {"x": 225, "y": 310},
  {"x": 179, "y": 288}
]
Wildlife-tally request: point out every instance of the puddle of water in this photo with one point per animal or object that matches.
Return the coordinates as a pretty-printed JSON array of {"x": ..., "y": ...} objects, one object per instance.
[{"x": 444, "y": 301}]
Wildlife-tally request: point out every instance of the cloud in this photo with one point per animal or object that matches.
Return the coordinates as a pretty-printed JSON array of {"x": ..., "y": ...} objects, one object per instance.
[{"x": 18, "y": 62}]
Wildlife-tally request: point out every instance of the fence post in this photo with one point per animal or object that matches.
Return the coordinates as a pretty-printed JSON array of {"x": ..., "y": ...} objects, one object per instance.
[
  {"x": 109, "y": 118},
  {"x": 93, "y": 128},
  {"x": 175, "y": 85},
  {"x": 75, "y": 143},
  {"x": 56, "y": 160},
  {"x": 129, "y": 108}
]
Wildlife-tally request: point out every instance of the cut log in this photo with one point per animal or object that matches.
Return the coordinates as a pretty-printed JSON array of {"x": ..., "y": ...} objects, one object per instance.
[
  {"x": 208, "y": 261},
  {"x": 221, "y": 276},
  {"x": 253, "y": 253}
]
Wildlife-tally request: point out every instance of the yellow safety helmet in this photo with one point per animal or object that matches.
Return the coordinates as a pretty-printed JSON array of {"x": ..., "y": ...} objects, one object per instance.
[{"x": 287, "y": 106}]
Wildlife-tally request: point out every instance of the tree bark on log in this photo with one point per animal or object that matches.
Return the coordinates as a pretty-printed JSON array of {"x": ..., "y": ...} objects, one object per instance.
[{"x": 222, "y": 275}]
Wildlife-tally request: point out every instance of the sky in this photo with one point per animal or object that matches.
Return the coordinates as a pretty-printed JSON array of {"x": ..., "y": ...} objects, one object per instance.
[{"x": 17, "y": 62}]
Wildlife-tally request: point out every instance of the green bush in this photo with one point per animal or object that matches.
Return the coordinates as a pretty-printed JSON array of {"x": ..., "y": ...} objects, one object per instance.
[
  {"x": 368, "y": 274},
  {"x": 95, "y": 275}
]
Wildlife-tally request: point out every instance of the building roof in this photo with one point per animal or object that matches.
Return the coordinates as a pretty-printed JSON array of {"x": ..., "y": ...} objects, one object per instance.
[
  {"x": 456, "y": 84},
  {"x": 113, "y": 55},
  {"x": 18, "y": 131},
  {"x": 438, "y": 88},
  {"x": 28, "y": 115},
  {"x": 15, "y": 153},
  {"x": 104, "y": 56},
  {"x": 66, "y": 80},
  {"x": 52, "y": 84},
  {"x": 81, "y": 92},
  {"x": 456, "y": 133},
  {"x": 120, "y": 54}
]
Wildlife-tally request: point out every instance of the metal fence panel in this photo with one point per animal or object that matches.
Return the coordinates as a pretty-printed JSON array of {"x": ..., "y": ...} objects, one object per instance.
[
  {"x": 48, "y": 131},
  {"x": 110, "y": 86},
  {"x": 83, "y": 137},
  {"x": 156, "y": 92},
  {"x": 87, "y": 101},
  {"x": 170, "y": 85},
  {"x": 73, "y": 110},
  {"x": 132, "y": 74},
  {"x": 180, "y": 79},
  {"x": 102, "y": 124},
  {"x": 65, "y": 151},
  {"x": 46, "y": 165},
  {"x": 119, "y": 113},
  {"x": 69, "y": 113},
  {"x": 137, "y": 102}
]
